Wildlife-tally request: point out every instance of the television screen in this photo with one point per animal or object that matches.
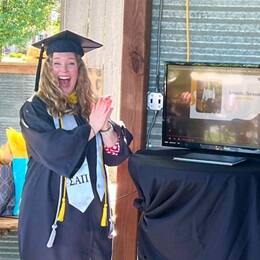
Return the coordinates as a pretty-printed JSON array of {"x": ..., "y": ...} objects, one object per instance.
[{"x": 212, "y": 106}]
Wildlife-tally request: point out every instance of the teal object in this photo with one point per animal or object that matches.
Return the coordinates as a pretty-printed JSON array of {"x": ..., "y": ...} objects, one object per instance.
[{"x": 19, "y": 168}]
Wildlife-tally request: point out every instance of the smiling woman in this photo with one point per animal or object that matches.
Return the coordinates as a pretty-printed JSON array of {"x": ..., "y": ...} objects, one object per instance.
[
  {"x": 70, "y": 138},
  {"x": 65, "y": 68}
]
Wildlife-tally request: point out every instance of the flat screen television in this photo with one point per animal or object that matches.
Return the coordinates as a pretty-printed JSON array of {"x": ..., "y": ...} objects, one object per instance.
[{"x": 212, "y": 107}]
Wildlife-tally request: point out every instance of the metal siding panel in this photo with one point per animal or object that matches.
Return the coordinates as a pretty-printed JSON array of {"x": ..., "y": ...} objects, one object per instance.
[
  {"x": 220, "y": 31},
  {"x": 9, "y": 247},
  {"x": 14, "y": 90}
]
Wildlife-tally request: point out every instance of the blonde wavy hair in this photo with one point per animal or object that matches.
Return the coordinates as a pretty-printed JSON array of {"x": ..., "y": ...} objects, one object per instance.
[{"x": 56, "y": 100}]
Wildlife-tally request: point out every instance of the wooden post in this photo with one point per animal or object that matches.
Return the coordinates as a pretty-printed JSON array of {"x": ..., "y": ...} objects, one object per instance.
[{"x": 134, "y": 84}]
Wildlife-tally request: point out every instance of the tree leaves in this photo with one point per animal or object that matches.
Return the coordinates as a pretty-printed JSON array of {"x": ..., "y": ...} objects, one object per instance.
[{"x": 20, "y": 20}]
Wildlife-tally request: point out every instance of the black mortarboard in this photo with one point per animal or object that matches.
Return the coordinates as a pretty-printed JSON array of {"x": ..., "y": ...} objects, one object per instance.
[{"x": 65, "y": 41}]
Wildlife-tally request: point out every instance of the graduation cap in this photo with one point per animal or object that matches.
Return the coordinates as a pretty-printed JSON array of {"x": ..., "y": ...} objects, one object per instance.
[{"x": 65, "y": 41}]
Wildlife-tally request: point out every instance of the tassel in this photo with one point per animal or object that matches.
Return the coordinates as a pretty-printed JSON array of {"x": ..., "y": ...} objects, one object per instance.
[
  {"x": 112, "y": 231},
  {"x": 62, "y": 210},
  {"x": 52, "y": 236},
  {"x": 61, "y": 214},
  {"x": 104, "y": 216}
]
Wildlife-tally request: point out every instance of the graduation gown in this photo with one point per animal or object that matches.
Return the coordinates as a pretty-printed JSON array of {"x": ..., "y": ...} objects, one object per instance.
[{"x": 55, "y": 152}]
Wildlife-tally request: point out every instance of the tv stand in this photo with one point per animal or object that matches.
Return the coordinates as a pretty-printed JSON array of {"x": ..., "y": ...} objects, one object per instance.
[
  {"x": 219, "y": 159},
  {"x": 193, "y": 211}
]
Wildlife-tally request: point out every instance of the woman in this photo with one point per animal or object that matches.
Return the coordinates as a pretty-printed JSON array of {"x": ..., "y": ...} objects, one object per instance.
[{"x": 64, "y": 212}]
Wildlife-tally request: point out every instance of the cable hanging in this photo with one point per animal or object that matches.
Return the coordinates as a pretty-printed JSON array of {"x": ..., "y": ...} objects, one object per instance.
[
  {"x": 187, "y": 30},
  {"x": 157, "y": 79},
  {"x": 157, "y": 82}
]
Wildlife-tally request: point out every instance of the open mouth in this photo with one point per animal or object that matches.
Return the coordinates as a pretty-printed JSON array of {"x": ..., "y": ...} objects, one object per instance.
[{"x": 64, "y": 82}]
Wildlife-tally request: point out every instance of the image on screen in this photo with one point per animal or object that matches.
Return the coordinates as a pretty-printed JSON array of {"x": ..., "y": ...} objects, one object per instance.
[{"x": 212, "y": 107}]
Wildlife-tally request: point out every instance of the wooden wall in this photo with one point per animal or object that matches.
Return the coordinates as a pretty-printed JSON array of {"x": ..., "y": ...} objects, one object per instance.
[{"x": 102, "y": 21}]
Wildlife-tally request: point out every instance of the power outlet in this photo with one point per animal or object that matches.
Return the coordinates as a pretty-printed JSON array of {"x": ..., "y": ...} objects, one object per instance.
[{"x": 155, "y": 101}]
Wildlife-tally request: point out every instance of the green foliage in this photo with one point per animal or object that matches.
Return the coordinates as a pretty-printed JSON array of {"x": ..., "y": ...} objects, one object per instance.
[
  {"x": 21, "y": 20},
  {"x": 16, "y": 55}
]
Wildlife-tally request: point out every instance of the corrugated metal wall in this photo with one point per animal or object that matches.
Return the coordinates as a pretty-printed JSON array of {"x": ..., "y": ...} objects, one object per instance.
[
  {"x": 220, "y": 31},
  {"x": 9, "y": 247},
  {"x": 14, "y": 90}
]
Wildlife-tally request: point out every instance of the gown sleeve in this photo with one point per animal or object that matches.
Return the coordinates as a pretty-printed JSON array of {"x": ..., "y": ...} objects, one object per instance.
[
  {"x": 61, "y": 151},
  {"x": 125, "y": 138}
]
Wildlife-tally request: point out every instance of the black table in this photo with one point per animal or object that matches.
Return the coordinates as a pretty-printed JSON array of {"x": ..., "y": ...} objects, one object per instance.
[{"x": 194, "y": 211}]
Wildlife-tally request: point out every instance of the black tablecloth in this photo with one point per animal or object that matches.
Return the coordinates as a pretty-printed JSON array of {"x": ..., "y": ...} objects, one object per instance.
[{"x": 194, "y": 211}]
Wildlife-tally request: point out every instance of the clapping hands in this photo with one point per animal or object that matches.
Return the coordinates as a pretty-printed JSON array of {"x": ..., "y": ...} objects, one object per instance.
[{"x": 100, "y": 113}]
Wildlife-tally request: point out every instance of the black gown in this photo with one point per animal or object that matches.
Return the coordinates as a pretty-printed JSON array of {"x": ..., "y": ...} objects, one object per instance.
[{"x": 55, "y": 152}]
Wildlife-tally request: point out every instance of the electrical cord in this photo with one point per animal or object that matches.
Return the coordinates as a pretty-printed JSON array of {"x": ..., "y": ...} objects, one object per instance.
[
  {"x": 157, "y": 79},
  {"x": 155, "y": 114},
  {"x": 159, "y": 47},
  {"x": 187, "y": 30}
]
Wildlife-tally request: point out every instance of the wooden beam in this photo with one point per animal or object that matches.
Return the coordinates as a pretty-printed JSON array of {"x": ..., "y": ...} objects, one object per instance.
[
  {"x": 134, "y": 85},
  {"x": 17, "y": 68},
  {"x": 7, "y": 224}
]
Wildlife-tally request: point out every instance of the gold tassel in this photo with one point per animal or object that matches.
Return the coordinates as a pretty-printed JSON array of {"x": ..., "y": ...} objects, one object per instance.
[
  {"x": 104, "y": 222},
  {"x": 62, "y": 211},
  {"x": 63, "y": 204}
]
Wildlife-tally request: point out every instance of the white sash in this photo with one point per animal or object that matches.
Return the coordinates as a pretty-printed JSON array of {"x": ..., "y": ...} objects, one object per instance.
[
  {"x": 100, "y": 168},
  {"x": 79, "y": 188}
]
